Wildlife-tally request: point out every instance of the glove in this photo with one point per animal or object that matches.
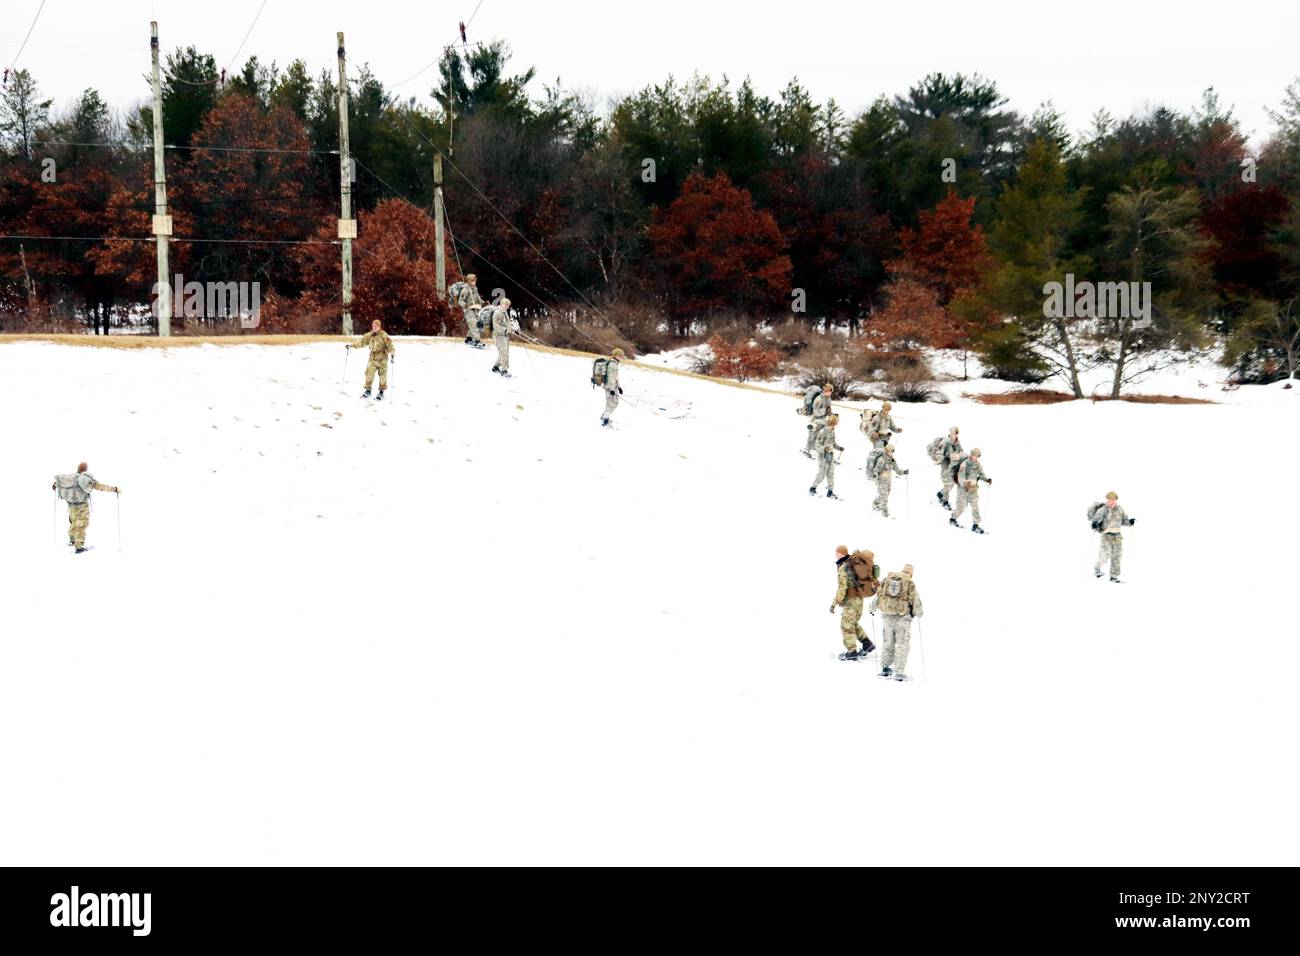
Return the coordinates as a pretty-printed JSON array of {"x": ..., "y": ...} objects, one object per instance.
[
  {"x": 116, "y": 490},
  {"x": 1096, "y": 526},
  {"x": 906, "y": 470},
  {"x": 832, "y": 608},
  {"x": 839, "y": 447},
  {"x": 989, "y": 480},
  {"x": 1132, "y": 520},
  {"x": 392, "y": 358},
  {"x": 620, "y": 389}
]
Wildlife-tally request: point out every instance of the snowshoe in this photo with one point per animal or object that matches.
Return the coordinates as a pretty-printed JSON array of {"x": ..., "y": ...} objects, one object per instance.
[
  {"x": 1115, "y": 580},
  {"x": 1097, "y": 572},
  {"x": 901, "y": 676},
  {"x": 849, "y": 656},
  {"x": 867, "y": 648},
  {"x": 813, "y": 491},
  {"x": 496, "y": 368},
  {"x": 468, "y": 340},
  {"x": 80, "y": 550},
  {"x": 953, "y": 521},
  {"x": 366, "y": 393},
  {"x": 505, "y": 374},
  {"x": 886, "y": 672},
  {"x": 807, "y": 454},
  {"x": 977, "y": 529},
  {"x": 831, "y": 494},
  {"x": 947, "y": 505}
]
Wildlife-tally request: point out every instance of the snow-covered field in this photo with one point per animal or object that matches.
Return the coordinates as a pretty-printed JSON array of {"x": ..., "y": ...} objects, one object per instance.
[{"x": 470, "y": 626}]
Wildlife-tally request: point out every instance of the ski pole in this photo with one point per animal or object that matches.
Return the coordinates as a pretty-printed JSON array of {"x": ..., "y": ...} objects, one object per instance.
[
  {"x": 56, "y": 519},
  {"x": 347, "y": 354},
  {"x": 920, "y": 645},
  {"x": 907, "y": 483},
  {"x": 118, "y": 495}
]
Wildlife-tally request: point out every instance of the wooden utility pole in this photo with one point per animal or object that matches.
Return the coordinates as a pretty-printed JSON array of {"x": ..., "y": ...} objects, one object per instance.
[
  {"x": 347, "y": 225},
  {"x": 162, "y": 222},
  {"x": 439, "y": 254}
]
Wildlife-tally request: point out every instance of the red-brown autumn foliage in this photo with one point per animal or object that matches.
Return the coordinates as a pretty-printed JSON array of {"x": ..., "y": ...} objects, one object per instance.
[
  {"x": 742, "y": 360},
  {"x": 717, "y": 252},
  {"x": 946, "y": 250},
  {"x": 394, "y": 277},
  {"x": 912, "y": 317}
]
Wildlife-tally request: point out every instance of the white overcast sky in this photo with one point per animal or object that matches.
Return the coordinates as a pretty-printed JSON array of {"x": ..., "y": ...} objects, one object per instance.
[{"x": 1118, "y": 54}]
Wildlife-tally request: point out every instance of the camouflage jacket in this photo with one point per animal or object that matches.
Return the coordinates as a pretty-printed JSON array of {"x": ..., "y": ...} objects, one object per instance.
[
  {"x": 971, "y": 470},
  {"x": 824, "y": 441},
  {"x": 85, "y": 484},
  {"x": 380, "y": 345},
  {"x": 611, "y": 375},
  {"x": 951, "y": 450},
  {"x": 502, "y": 324},
  {"x": 469, "y": 297},
  {"x": 821, "y": 406},
  {"x": 1112, "y": 519},
  {"x": 842, "y": 588},
  {"x": 883, "y": 463},
  {"x": 883, "y": 422},
  {"x": 907, "y": 601}
]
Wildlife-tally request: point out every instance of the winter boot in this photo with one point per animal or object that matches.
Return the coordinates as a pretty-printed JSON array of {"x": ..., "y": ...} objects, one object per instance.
[
  {"x": 977, "y": 529},
  {"x": 867, "y": 648},
  {"x": 899, "y": 675},
  {"x": 886, "y": 672},
  {"x": 953, "y": 521},
  {"x": 946, "y": 503},
  {"x": 849, "y": 656},
  {"x": 604, "y": 421},
  {"x": 468, "y": 340},
  {"x": 380, "y": 396},
  {"x": 81, "y": 551},
  {"x": 1114, "y": 579},
  {"x": 942, "y": 499},
  {"x": 831, "y": 494},
  {"x": 812, "y": 490},
  {"x": 495, "y": 368},
  {"x": 366, "y": 393},
  {"x": 1097, "y": 571}
]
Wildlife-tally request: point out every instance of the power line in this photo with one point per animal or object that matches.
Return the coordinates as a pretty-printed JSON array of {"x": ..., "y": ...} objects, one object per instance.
[
  {"x": 23, "y": 46},
  {"x": 243, "y": 242},
  {"x": 219, "y": 149},
  {"x": 240, "y": 48}
]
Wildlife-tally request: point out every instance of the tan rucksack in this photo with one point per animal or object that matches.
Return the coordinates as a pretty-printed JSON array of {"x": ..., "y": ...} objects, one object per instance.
[
  {"x": 895, "y": 593},
  {"x": 864, "y": 574}
]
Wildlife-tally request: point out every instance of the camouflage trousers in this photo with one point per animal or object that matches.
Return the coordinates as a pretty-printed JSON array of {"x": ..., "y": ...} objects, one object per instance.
[
  {"x": 896, "y": 638},
  {"x": 812, "y": 433},
  {"x": 851, "y": 623},
  {"x": 471, "y": 325},
  {"x": 945, "y": 481},
  {"x": 78, "y": 522},
  {"x": 1112, "y": 549},
  {"x": 884, "y": 482},
  {"x": 964, "y": 498},
  {"x": 826, "y": 470},
  {"x": 502, "y": 341},
  {"x": 379, "y": 365},
  {"x": 611, "y": 401}
]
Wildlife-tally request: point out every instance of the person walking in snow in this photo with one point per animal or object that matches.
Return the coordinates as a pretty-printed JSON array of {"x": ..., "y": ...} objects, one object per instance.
[
  {"x": 968, "y": 474},
  {"x": 880, "y": 426},
  {"x": 856, "y": 579},
  {"x": 824, "y": 445},
  {"x": 881, "y": 470},
  {"x": 75, "y": 489},
  {"x": 381, "y": 350},
  {"x": 949, "y": 450},
  {"x": 1108, "y": 519},
  {"x": 469, "y": 301},
  {"x": 821, "y": 409},
  {"x": 610, "y": 384},
  {"x": 898, "y": 601},
  {"x": 502, "y": 326}
]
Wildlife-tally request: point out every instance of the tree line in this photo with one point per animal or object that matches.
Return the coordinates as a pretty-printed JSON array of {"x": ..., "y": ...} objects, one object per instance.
[{"x": 935, "y": 218}]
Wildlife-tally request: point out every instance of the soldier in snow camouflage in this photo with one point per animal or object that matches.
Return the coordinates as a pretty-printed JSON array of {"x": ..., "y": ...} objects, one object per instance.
[
  {"x": 820, "y": 410},
  {"x": 612, "y": 388},
  {"x": 851, "y": 608},
  {"x": 880, "y": 426},
  {"x": 824, "y": 443},
  {"x": 1109, "y": 519},
  {"x": 502, "y": 326},
  {"x": 470, "y": 302},
  {"x": 969, "y": 474},
  {"x": 883, "y": 469},
  {"x": 899, "y": 602},
  {"x": 951, "y": 452},
  {"x": 76, "y": 491},
  {"x": 381, "y": 349}
]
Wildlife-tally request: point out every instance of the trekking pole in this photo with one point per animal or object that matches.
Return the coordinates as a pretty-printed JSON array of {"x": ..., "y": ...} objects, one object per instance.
[
  {"x": 392, "y": 374},
  {"x": 920, "y": 645},
  {"x": 56, "y": 519},
  {"x": 118, "y": 495},
  {"x": 347, "y": 354},
  {"x": 907, "y": 483}
]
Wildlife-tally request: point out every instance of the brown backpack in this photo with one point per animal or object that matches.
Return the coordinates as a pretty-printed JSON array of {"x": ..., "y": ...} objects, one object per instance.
[{"x": 863, "y": 568}]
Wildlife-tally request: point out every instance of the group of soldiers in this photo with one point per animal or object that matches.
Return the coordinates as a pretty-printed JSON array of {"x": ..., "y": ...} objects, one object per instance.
[
  {"x": 483, "y": 316},
  {"x": 878, "y": 426},
  {"x": 895, "y": 596},
  {"x": 960, "y": 474}
]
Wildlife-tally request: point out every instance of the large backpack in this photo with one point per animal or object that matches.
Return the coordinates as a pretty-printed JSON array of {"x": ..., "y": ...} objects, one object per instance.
[
  {"x": 1095, "y": 515},
  {"x": 868, "y": 422},
  {"x": 935, "y": 449},
  {"x": 70, "y": 489},
  {"x": 599, "y": 371},
  {"x": 809, "y": 396},
  {"x": 892, "y": 593},
  {"x": 956, "y": 467},
  {"x": 485, "y": 316},
  {"x": 873, "y": 462},
  {"x": 864, "y": 574},
  {"x": 454, "y": 293}
]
